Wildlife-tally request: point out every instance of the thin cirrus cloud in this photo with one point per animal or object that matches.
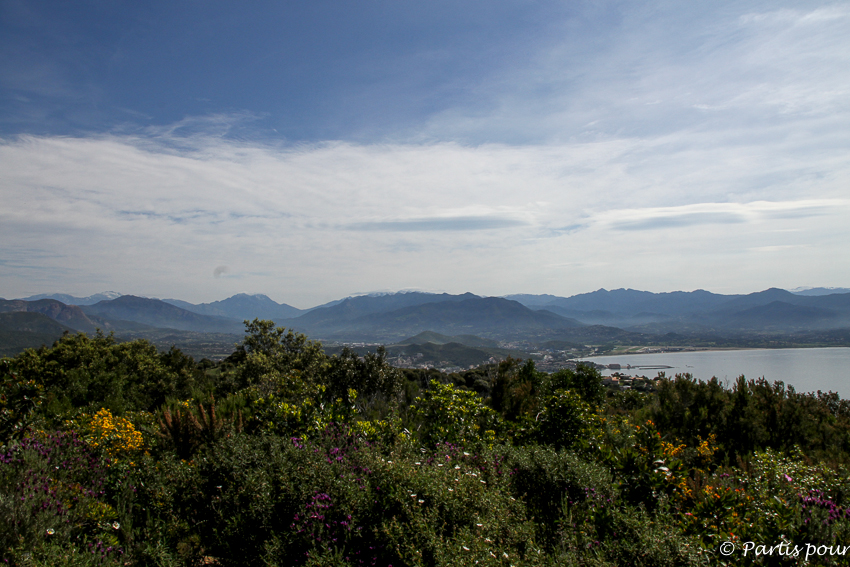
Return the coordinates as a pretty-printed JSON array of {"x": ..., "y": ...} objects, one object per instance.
[
  {"x": 439, "y": 224},
  {"x": 678, "y": 220},
  {"x": 721, "y": 214},
  {"x": 292, "y": 217}
]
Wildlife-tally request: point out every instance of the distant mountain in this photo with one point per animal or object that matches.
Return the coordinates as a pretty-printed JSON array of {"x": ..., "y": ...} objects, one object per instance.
[
  {"x": 738, "y": 302},
  {"x": 779, "y": 310},
  {"x": 599, "y": 317},
  {"x": 630, "y": 302},
  {"x": 20, "y": 330},
  {"x": 352, "y": 308},
  {"x": 438, "y": 339},
  {"x": 530, "y": 300},
  {"x": 157, "y": 313},
  {"x": 626, "y": 308},
  {"x": 459, "y": 315},
  {"x": 71, "y": 316},
  {"x": 242, "y": 306},
  {"x": 31, "y": 322},
  {"x": 773, "y": 309},
  {"x": 71, "y": 300},
  {"x": 779, "y": 315},
  {"x": 819, "y": 290}
]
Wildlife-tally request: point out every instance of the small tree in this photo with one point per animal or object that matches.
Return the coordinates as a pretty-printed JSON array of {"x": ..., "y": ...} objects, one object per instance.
[
  {"x": 269, "y": 350},
  {"x": 452, "y": 415},
  {"x": 565, "y": 419},
  {"x": 585, "y": 380}
]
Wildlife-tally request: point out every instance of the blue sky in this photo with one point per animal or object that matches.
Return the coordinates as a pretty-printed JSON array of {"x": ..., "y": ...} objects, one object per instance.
[{"x": 311, "y": 150}]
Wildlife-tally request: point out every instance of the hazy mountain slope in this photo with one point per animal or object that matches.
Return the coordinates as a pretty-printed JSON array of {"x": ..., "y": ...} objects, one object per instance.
[
  {"x": 599, "y": 317},
  {"x": 438, "y": 339},
  {"x": 71, "y": 316},
  {"x": 628, "y": 302},
  {"x": 354, "y": 307},
  {"x": 772, "y": 309},
  {"x": 157, "y": 313},
  {"x": 242, "y": 306},
  {"x": 71, "y": 300},
  {"x": 750, "y": 300},
  {"x": 840, "y": 302},
  {"x": 777, "y": 309},
  {"x": 532, "y": 300},
  {"x": 778, "y": 315},
  {"x": 490, "y": 316},
  {"x": 31, "y": 322},
  {"x": 820, "y": 291},
  {"x": 20, "y": 330}
]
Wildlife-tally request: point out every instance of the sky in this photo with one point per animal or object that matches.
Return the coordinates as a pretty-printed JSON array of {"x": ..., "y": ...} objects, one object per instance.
[{"x": 314, "y": 150}]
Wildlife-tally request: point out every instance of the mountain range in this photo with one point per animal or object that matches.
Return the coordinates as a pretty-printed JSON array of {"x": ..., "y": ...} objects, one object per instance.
[
  {"x": 242, "y": 306},
  {"x": 602, "y": 316},
  {"x": 771, "y": 310}
]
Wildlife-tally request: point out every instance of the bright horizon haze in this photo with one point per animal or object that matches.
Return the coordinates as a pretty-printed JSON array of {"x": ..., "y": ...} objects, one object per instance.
[{"x": 313, "y": 150}]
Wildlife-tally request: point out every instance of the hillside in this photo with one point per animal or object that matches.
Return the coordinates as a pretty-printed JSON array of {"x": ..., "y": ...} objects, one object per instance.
[
  {"x": 72, "y": 300},
  {"x": 241, "y": 307},
  {"x": 438, "y": 339},
  {"x": 71, "y": 316},
  {"x": 490, "y": 317},
  {"x": 160, "y": 314},
  {"x": 20, "y": 330},
  {"x": 773, "y": 310},
  {"x": 767, "y": 318},
  {"x": 352, "y": 308}
]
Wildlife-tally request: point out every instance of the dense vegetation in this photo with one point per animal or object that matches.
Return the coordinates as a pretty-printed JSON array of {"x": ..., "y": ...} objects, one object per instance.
[{"x": 115, "y": 453}]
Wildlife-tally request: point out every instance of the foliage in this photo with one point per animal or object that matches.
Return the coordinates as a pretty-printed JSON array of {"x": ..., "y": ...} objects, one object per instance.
[
  {"x": 584, "y": 380},
  {"x": 19, "y": 399},
  {"x": 275, "y": 351},
  {"x": 754, "y": 415},
  {"x": 116, "y": 436},
  {"x": 370, "y": 376},
  {"x": 185, "y": 427},
  {"x": 53, "y": 490},
  {"x": 281, "y": 455},
  {"x": 565, "y": 420},
  {"x": 449, "y": 415},
  {"x": 79, "y": 371}
]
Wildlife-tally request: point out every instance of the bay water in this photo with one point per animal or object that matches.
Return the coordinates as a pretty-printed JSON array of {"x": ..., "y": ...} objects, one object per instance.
[{"x": 807, "y": 369}]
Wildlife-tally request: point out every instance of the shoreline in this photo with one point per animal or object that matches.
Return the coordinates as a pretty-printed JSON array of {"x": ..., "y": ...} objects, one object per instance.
[{"x": 676, "y": 350}]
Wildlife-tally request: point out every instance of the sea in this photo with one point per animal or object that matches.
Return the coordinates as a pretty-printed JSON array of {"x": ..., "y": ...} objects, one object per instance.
[{"x": 807, "y": 369}]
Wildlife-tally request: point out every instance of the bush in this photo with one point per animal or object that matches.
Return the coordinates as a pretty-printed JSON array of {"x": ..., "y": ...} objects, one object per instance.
[{"x": 53, "y": 492}]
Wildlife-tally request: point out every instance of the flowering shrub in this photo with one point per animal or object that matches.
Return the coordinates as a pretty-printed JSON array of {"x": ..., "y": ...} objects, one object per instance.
[
  {"x": 54, "y": 492},
  {"x": 116, "y": 436},
  {"x": 448, "y": 414}
]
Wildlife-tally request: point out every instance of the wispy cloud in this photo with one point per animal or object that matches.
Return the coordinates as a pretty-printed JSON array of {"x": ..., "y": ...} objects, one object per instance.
[
  {"x": 721, "y": 213},
  {"x": 284, "y": 218},
  {"x": 438, "y": 224},
  {"x": 680, "y": 220}
]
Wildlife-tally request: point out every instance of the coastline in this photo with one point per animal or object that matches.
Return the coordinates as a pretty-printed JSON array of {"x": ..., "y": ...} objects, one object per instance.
[{"x": 808, "y": 369}]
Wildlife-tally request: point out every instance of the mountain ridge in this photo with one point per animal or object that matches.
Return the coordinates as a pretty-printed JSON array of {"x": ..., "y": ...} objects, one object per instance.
[{"x": 601, "y": 316}]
